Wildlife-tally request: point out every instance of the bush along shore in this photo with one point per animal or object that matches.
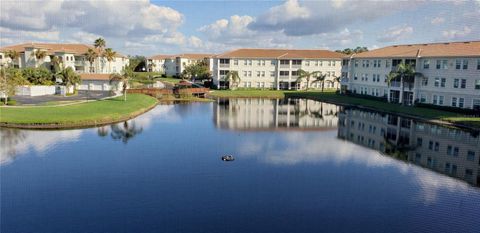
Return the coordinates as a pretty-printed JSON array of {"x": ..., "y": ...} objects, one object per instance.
[
  {"x": 77, "y": 115},
  {"x": 423, "y": 112}
]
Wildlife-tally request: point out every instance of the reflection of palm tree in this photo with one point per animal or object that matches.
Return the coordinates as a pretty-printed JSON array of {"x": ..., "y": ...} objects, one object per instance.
[
  {"x": 102, "y": 131},
  {"x": 125, "y": 133}
]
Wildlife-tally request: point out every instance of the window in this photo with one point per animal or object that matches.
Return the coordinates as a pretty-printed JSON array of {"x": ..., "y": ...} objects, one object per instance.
[
  {"x": 245, "y": 62},
  {"x": 449, "y": 150},
  {"x": 426, "y": 64},
  {"x": 356, "y": 63},
  {"x": 263, "y": 73},
  {"x": 461, "y": 102},
  {"x": 245, "y": 73},
  {"x": 476, "y": 104},
  {"x": 272, "y": 73},
  {"x": 437, "y": 146},
  {"x": 258, "y": 73},
  {"x": 284, "y": 62},
  {"x": 442, "y": 83},
  {"x": 437, "y": 82},
  {"x": 294, "y": 73},
  {"x": 440, "y": 100},
  {"x": 387, "y": 63},
  {"x": 272, "y": 62},
  {"x": 478, "y": 64},
  {"x": 296, "y": 62},
  {"x": 419, "y": 141},
  {"x": 438, "y": 64},
  {"x": 456, "y": 83},
  {"x": 435, "y": 99},
  {"x": 455, "y": 151},
  {"x": 259, "y": 62},
  {"x": 307, "y": 63},
  {"x": 249, "y": 62},
  {"x": 454, "y": 101},
  {"x": 444, "y": 64},
  {"x": 423, "y": 98},
  {"x": 458, "y": 64},
  {"x": 249, "y": 73},
  {"x": 425, "y": 81},
  {"x": 430, "y": 145},
  {"x": 477, "y": 84},
  {"x": 465, "y": 64},
  {"x": 471, "y": 155},
  {"x": 284, "y": 73},
  {"x": 463, "y": 84},
  {"x": 235, "y": 62}
]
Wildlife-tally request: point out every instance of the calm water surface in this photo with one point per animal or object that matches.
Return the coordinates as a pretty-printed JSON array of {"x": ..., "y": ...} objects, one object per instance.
[{"x": 301, "y": 166}]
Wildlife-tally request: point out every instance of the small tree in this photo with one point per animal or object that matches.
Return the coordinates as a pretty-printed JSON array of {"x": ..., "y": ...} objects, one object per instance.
[
  {"x": 232, "y": 78},
  {"x": 9, "y": 80},
  {"x": 56, "y": 63},
  {"x": 69, "y": 77},
  {"x": 197, "y": 70},
  {"x": 302, "y": 74},
  {"x": 123, "y": 77}
]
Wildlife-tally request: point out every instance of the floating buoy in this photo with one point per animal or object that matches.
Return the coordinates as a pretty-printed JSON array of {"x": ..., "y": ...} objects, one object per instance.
[{"x": 227, "y": 158}]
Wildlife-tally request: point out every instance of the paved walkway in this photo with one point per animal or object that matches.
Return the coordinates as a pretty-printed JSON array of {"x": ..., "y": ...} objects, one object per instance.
[{"x": 40, "y": 100}]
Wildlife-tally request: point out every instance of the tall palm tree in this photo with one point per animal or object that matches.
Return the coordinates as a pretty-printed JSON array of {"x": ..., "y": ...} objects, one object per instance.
[
  {"x": 320, "y": 78},
  {"x": 91, "y": 55},
  {"x": 13, "y": 55},
  {"x": 233, "y": 78},
  {"x": 39, "y": 55},
  {"x": 124, "y": 77},
  {"x": 69, "y": 77},
  {"x": 302, "y": 74},
  {"x": 100, "y": 44},
  {"x": 110, "y": 56},
  {"x": 406, "y": 73}
]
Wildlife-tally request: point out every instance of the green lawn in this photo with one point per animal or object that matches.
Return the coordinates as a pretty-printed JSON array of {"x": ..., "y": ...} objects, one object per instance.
[
  {"x": 84, "y": 114},
  {"x": 170, "y": 80}
]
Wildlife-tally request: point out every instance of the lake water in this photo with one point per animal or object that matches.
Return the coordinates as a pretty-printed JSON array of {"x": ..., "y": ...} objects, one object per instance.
[{"x": 301, "y": 166}]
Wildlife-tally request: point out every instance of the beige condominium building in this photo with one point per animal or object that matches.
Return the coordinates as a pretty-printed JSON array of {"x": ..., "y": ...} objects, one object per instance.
[
  {"x": 276, "y": 68},
  {"x": 451, "y": 73},
  {"x": 450, "y": 151},
  {"x": 70, "y": 55},
  {"x": 174, "y": 65}
]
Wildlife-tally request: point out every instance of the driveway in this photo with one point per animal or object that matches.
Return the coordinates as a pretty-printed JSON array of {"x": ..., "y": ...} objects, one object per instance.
[{"x": 39, "y": 100}]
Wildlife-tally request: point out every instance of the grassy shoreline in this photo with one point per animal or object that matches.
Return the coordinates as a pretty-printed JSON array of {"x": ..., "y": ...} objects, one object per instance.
[
  {"x": 77, "y": 116},
  {"x": 427, "y": 114}
]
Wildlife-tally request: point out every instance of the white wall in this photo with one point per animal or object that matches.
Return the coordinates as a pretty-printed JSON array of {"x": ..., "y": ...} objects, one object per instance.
[{"x": 35, "y": 90}]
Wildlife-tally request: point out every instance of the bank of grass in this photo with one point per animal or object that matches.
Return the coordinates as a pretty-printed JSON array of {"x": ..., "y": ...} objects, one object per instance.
[{"x": 77, "y": 115}]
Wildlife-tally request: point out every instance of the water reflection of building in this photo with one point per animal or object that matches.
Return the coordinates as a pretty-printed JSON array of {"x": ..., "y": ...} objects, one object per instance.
[
  {"x": 263, "y": 114},
  {"x": 450, "y": 151}
]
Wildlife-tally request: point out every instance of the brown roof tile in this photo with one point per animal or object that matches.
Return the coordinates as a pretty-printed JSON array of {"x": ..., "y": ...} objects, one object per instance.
[
  {"x": 88, "y": 76},
  {"x": 451, "y": 49},
  {"x": 281, "y": 53}
]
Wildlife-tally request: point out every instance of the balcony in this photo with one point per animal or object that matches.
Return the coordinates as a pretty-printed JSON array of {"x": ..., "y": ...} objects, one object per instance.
[
  {"x": 285, "y": 66},
  {"x": 224, "y": 65}
]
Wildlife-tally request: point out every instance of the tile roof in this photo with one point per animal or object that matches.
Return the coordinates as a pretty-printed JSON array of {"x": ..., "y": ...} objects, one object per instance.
[
  {"x": 195, "y": 56},
  {"x": 281, "y": 53},
  {"x": 92, "y": 76},
  {"x": 161, "y": 57},
  {"x": 77, "y": 49},
  {"x": 450, "y": 49}
]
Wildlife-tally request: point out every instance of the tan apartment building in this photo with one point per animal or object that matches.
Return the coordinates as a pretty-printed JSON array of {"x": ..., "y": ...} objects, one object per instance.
[
  {"x": 276, "y": 68},
  {"x": 70, "y": 55},
  {"x": 451, "y": 73},
  {"x": 174, "y": 65}
]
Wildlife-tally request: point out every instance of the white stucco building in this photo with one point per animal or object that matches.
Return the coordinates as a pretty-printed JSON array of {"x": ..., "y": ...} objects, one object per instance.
[
  {"x": 451, "y": 73},
  {"x": 71, "y": 55},
  {"x": 276, "y": 68},
  {"x": 174, "y": 65}
]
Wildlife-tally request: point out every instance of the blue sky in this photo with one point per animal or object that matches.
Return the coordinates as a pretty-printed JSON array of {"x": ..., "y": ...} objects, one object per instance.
[{"x": 166, "y": 27}]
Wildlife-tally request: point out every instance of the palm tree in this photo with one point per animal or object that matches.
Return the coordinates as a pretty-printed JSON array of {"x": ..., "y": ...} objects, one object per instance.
[
  {"x": 302, "y": 74},
  {"x": 39, "y": 54},
  {"x": 123, "y": 77},
  {"x": 13, "y": 55},
  {"x": 334, "y": 80},
  {"x": 100, "y": 44},
  {"x": 320, "y": 78},
  {"x": 91, "y": 55},
  {"x": 110, "y": 56},
  {"x": 406, "y": 73},
  {"x": 233, "y": 78},
  {"x": 69, "y": 77},
  {"x": 55, "y": 62}
]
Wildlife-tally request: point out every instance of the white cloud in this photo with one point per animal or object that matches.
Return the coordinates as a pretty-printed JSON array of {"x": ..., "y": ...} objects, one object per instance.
[
  {"x": 457, "y": 34},
  {"x": 396, "y": 33},
  {"x": 316, "y": 17},
  {"x": 437, "y": 20}
]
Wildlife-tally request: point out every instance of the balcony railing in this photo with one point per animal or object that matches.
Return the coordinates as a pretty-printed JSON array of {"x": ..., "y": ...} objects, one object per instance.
[
  {"x": 223, "y": 65},
  {"x": 285, "y": 66}
]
